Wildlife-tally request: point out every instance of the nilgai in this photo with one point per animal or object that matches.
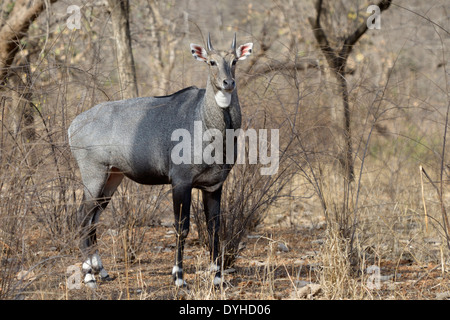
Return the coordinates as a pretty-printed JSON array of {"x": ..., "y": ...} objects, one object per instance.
[{"x": 133, "y": 138}]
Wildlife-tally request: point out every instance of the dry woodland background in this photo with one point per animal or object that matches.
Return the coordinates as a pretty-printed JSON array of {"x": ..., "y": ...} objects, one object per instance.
[{"x": 358, "y": 208}]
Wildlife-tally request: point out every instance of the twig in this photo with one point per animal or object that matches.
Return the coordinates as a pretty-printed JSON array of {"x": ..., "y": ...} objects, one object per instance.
[
  {"x": 426, "y": 274},
  {"x": 423, "y": 200}
]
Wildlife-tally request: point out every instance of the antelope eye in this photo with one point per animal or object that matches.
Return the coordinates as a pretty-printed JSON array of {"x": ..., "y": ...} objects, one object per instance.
[
  {"x": 212, "y": 63},
  {"x": 233, "y": 63}
]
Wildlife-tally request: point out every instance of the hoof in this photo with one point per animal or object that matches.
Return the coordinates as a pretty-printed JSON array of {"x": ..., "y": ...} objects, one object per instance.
[
  {"x": 107, "y": 278},
  {"x": 89, "y": 281},
  {"x": 217, "y": 281},
  {"x": 91, "y": 284}
]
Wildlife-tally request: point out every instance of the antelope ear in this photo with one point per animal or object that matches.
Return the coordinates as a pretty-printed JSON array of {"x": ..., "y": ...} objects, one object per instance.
[
  {"x": 199, "y": 52},
  {"x": 244, "y": 51}
]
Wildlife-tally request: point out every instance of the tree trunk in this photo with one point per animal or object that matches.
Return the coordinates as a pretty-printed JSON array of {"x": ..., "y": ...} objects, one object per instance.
[
  {"x": 14, "y": 26},
  {"x": 125, "y": 61},
  {"x": 23, "y": 107},
  {"x": 337, "y": 61}
]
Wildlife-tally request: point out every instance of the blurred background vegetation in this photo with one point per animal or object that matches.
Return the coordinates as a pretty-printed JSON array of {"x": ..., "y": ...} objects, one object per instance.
[{"x": 362, "y": 143}]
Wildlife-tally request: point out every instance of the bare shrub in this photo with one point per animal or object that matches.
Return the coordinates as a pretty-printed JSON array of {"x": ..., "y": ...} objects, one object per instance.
[
  {"x": 134, "y": 210},
  {"x": 246, "y": 197},
  {"x": 337, "y": 276}
]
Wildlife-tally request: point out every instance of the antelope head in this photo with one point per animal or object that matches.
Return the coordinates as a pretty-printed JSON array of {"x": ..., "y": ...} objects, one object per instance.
[{"x": 222, "y": 66}]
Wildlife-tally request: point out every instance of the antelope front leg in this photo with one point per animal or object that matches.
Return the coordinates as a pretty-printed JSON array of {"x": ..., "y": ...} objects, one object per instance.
[
  {"x": 211, "y": 203},
  {"x": 181, "y": 204}
]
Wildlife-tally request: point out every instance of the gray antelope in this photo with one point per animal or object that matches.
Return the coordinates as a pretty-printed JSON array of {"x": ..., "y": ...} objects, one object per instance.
[{"x": 133, "y": 138}]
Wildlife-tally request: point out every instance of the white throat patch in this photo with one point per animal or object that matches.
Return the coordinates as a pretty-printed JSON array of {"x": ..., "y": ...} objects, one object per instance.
[{"x": 223, "y": 99}]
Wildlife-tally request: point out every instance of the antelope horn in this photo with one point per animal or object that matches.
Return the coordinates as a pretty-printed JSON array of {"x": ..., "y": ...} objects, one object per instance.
[
  {"x": 208, "y": 43},
  {"x": 233, "y": 44}
]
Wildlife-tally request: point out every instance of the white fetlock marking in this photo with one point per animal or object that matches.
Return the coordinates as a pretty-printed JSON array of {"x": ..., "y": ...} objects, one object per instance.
[
  {"x": 178, "y": 282},
  {"x": 176, "y": 269},
  {"x": 89, "y": 277},
  {"x": 86, "y": 266},
  {"x": 217, "y": 281},
  {"x": 96, "y": 262},
  {"x": 214, "y": 267},
  {"x": 93, "y": 263}
]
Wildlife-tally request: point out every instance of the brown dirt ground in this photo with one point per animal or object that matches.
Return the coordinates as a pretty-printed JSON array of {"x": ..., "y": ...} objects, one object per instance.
[{"x": 262, "y": 271}]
